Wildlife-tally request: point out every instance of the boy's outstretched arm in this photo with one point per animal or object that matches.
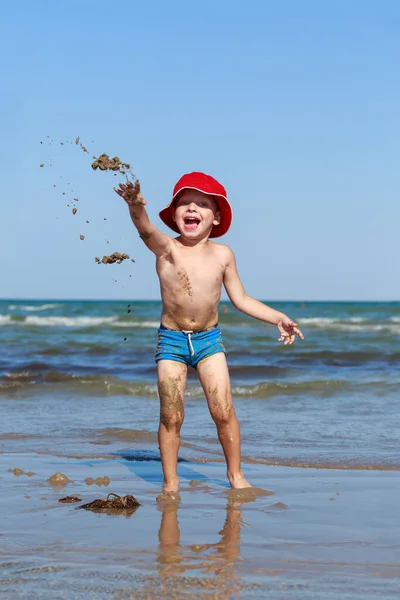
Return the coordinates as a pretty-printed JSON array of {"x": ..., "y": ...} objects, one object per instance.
[
  {"x": 254, "y": 308},
  {"x": 157, "y": 242}
]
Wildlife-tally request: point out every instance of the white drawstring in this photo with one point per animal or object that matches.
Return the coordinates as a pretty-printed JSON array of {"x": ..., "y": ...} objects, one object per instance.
[{"x": 189, "y": 334}]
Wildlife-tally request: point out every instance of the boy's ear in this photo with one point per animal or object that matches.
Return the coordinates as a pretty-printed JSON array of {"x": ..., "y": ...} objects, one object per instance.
[{"x": 217, "y": 218}]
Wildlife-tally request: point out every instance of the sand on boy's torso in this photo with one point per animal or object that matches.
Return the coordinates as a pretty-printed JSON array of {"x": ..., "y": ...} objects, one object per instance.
[{"x": 191, "y": 281}]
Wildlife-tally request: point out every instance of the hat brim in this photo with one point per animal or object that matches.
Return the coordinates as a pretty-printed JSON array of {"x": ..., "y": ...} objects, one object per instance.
[{"x": 225, "y": 210}]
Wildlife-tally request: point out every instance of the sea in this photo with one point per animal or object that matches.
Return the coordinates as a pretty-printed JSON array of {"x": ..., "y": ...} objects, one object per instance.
[{"x": 78, "y": 378}]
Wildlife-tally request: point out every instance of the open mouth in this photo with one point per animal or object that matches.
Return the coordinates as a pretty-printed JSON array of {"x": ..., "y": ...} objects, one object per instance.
[{"x": 191, "y": 223}]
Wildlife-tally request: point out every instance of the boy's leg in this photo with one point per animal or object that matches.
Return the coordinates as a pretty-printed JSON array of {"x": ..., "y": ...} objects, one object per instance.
[
  {"x": 214, "y": 377},
  {"x": 171, "y": 389}
]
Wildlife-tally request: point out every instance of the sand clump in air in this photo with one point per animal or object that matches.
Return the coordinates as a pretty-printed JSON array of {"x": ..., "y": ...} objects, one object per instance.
[
  {"x": 113, "y": 505},
  {"x": 105, "y": 163},
  {"x": 77, "y": 141},
  {"x": 115, "y": 257}
]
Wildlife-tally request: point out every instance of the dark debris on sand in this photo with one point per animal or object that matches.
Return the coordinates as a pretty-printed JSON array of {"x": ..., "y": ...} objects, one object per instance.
[
  {"x": 70, "y": 499},
  {"x": 113, "y": 505}
]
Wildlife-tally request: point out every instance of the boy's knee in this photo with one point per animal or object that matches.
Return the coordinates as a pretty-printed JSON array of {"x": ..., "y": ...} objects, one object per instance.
[
  {"x": 171, "y": 403},
  {"x": 172, "y": 420},
  {"x": 221, "y": 407},
  {"x": 223, "y": 415}
]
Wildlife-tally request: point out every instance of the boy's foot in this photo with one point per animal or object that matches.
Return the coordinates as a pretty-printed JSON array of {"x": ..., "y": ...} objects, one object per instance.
[
  {"x": 168, "y": 497},
  {"x": 238, "y": 483},
  {"x": 170, "y": 490}
]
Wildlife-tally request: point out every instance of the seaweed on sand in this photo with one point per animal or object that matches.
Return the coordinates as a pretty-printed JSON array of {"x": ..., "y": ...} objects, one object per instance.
[{"x": 113, "y": 505}]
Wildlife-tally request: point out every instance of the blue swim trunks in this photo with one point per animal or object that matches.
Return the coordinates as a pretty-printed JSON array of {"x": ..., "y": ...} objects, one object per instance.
[{"x": 187, "y": 347}]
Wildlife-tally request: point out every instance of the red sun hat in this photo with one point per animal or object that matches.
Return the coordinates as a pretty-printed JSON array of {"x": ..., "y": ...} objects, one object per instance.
[{"x": 208, "y": 185}]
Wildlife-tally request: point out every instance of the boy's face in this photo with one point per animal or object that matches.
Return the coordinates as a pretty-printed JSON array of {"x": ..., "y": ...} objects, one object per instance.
[{"x": 195, "y": 213}]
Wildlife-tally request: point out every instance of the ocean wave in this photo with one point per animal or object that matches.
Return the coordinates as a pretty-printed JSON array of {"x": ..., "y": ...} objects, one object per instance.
[
  {"x": 395, "y": 329},
  {"x": 62, "y": 321},
  {"x": 115, "y": 386},
  {"x": 96, "y": 384},
  {"x": 33, "y": 308},
  {"x": 67, "y": 321},
  {"x": 329, "y": 321},
  {"x": 343, "y": 359},
  {"x": 350, "y": 324},
  {"x": 145, "y": 324}
]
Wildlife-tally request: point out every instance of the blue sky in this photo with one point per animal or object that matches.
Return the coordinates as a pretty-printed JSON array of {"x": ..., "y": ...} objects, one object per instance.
[{"x": 293, "y": 106}]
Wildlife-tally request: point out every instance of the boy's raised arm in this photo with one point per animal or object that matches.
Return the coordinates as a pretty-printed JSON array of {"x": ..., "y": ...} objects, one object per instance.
[
  {"x": 254, "y": 308},
  {"x": 157, "y": 242}
]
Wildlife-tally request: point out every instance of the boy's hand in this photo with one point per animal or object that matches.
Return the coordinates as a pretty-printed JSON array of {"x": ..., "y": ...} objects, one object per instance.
[
  {"x": 131, "y": 193},
  {"x": 288, "y": 330}
]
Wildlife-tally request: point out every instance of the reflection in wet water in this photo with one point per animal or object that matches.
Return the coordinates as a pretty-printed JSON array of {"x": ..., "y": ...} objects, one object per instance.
[{"x": 218, "y": 559}]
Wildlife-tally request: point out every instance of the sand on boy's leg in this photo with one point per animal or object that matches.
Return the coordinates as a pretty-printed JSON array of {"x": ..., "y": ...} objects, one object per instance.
[
  {"x": 171, "y": 388},
  {"x": 214, "y": 378}
]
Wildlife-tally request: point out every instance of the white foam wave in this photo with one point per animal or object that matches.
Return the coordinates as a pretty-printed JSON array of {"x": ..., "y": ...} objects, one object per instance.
[
  {"x": 38, "y": 321},
  {"x": 357, "y": 320},
  {"x": 328, "y": 321},
  {"x": 33, "y": 308},
  {"x": 385, "y": 328},
  {"x": 151, "y": 324},
  {"x": 67, "y": 321},
  {"x": 351, "y": 324}
]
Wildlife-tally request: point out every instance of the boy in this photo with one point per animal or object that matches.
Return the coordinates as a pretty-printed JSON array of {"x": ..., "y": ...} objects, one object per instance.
[{"x": 192, "y": 270}]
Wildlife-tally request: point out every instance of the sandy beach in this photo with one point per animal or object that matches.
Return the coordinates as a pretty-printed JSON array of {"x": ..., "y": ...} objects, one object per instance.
[{"x": 317, "y": 532}]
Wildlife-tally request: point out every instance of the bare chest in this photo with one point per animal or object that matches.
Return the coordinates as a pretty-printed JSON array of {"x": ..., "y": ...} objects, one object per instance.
[{"x": 190, "y": 273}]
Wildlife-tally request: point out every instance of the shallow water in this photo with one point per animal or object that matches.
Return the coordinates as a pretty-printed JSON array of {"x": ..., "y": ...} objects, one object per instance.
[{"x": 71, "y": 384}]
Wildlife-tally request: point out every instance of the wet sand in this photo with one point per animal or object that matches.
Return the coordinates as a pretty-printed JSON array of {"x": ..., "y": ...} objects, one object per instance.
[{"x": 305, "y": 533}]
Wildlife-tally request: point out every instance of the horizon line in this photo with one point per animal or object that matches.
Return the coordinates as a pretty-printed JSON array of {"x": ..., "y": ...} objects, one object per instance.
[{"x": 303, "y": 300}]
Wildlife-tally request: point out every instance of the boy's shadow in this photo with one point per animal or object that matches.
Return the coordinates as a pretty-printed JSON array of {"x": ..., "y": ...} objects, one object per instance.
[{"x": 147, "y": 465}]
